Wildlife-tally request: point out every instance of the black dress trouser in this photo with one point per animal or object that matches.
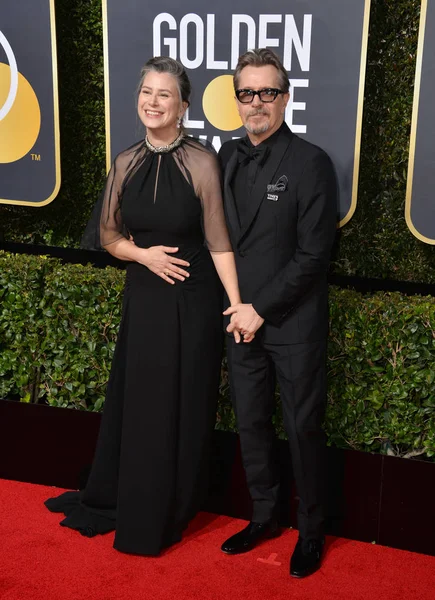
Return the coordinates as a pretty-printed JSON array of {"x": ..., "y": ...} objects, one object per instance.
[{"x": 300, "y": 370}]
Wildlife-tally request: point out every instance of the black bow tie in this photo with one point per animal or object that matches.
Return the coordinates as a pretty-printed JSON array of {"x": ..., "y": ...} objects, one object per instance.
[{"x": 246, "y": 153}]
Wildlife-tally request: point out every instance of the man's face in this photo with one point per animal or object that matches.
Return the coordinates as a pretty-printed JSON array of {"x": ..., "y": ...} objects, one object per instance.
[{"x": 261, "y": 119}]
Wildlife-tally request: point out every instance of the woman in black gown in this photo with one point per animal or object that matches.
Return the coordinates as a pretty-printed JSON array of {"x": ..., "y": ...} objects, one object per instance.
[{"x": 162, "y": 211}]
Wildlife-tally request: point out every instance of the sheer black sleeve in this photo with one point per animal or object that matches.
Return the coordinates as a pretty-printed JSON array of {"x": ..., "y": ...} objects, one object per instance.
[
  {"x": 203, "y": 171},
  {"x": 105, "y": 225},
  {"x": 111, "y": 225}
]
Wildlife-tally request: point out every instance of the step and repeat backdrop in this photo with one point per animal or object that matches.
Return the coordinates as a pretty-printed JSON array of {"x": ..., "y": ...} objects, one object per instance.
[
  {"x": 29, "y": 116},
  {"x": 323, "y": 46}
]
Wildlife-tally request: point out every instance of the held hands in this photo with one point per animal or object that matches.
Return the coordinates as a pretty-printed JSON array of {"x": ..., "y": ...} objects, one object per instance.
[
  {"x": 244, "y": 320},
  {"x": 159, "y": 261}
]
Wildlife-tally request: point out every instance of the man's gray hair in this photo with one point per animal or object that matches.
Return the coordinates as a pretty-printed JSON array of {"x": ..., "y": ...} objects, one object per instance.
[{"x": 261, "y": 57}]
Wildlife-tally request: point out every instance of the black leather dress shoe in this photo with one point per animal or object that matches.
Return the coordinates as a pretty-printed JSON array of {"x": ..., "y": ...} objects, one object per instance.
[
  {"x": 306, "y": 557},
  {"x": 249, "y": 537}
]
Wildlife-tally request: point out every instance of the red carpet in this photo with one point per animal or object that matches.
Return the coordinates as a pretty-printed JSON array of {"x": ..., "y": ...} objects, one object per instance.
[{"x": 41, "y": 561}]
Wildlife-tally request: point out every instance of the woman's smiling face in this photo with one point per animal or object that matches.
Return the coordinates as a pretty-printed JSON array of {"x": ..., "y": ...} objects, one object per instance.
[{"x": 159, "y": 104}]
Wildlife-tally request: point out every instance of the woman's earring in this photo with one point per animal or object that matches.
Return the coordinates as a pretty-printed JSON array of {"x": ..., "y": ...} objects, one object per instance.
[{"x": 180, "y": 120}]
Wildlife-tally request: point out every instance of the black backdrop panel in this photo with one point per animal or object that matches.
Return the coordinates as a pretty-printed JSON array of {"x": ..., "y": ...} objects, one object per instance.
[
  {"x": 322, "y": 45},
  {"x": 420, "y": 201},
  {"x": 29, "y": 119}
]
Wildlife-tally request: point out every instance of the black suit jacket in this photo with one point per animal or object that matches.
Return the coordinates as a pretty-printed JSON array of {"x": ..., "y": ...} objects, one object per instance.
[{"x": 283, "y": 250}]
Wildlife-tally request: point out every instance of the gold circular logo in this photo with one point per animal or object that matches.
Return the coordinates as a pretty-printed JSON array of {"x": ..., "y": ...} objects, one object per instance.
[
  {"x": 219, "y": 105},
  {"x": 20, "y": 114}
]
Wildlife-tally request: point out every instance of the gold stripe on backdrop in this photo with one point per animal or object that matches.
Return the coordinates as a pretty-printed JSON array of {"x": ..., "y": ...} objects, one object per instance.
[
  {"x": 106, "y": 83},
  {"x": 359, "y": 115}
]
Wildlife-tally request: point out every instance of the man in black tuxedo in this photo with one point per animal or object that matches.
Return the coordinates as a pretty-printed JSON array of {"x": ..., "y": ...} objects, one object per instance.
[{"x": 281, "y": 203}]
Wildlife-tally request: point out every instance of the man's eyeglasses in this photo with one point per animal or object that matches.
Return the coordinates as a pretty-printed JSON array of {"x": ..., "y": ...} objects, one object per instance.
[{"x": 246, "y": 96}]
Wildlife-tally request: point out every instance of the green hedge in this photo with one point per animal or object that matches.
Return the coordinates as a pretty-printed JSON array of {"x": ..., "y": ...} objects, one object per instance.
[
  {"x": 375, "y": 243},
  {"x": 58, "y": 326},
  {"x": 381, "y": 376},
  {"x": 82, "y": 310},
  {"x": 21, "y": 324}
]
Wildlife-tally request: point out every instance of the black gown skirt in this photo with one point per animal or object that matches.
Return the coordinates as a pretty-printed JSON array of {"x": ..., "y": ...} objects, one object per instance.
[{"x": 148, "y": 475}]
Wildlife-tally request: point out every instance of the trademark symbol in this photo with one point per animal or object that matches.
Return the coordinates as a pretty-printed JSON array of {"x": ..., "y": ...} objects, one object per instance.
[
  {"x": 270, "y": 561},
  {"x": 36, "y": 157}
]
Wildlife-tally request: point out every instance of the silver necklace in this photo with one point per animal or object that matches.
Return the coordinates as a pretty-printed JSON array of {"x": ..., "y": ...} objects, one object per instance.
[{"x": 167, "y": 148}]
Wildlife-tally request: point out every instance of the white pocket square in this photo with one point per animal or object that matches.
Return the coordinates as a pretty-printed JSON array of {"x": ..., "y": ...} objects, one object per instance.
[{"x": 279, "y": 186}]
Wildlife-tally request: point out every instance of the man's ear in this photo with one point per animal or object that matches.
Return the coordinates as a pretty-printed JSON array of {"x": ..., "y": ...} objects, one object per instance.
[{"x": 286, "y": 99}]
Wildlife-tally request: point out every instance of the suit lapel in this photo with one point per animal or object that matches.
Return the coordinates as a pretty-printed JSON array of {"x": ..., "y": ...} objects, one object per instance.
[
  {"x": 230, "y": 203},
  {"x": 265, "y": 177}
]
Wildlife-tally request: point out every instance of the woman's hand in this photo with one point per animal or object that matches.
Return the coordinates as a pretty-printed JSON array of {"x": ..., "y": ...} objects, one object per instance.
[{"x": 158, "y": 259}]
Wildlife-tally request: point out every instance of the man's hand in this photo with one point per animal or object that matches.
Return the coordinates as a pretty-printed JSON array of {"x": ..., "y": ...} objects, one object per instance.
[{"x": 245, "y": 319}]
